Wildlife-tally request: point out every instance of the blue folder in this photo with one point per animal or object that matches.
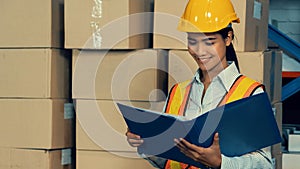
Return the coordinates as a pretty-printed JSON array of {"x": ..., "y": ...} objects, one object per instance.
[{"x": 244, "y": 126}]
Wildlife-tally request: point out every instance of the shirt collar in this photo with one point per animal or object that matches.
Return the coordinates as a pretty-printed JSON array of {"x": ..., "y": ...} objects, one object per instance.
[{"x": 227, "y": 76}]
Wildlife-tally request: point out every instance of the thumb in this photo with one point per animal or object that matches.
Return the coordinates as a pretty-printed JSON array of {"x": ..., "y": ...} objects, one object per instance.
[{"x": 216, "y": 139}]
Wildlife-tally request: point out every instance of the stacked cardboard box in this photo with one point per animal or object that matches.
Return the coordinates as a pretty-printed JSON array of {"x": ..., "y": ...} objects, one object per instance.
[
  {"x": 36, "y": 126},
  {"x": 34, "y": 158},
  {"x": 112, "y": 62},
  {"x": 119, "y": 74},
  {"x": 290, "y": 160},
  {"x": 98, "y": 123},
  {"x": 167, "y": 14},
  {"x": 182, "y": 66},
  {"x": 264, "y": 67},
  {"x": 113, "y": 24},
  {"x": 33, "y": 23},
  {"x": 100, "y": 80}
]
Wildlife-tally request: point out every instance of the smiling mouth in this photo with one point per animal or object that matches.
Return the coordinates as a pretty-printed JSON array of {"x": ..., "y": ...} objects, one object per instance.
[{"x": 203, "y": 59}]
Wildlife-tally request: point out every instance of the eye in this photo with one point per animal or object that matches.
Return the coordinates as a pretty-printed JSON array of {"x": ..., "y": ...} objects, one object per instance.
[
  {"x": 209, "y": 43},
  {"x": 192, "y": 42}
]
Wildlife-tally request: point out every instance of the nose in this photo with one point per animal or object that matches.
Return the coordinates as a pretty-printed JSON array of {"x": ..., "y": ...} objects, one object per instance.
[{"x": 198, "y": 50}]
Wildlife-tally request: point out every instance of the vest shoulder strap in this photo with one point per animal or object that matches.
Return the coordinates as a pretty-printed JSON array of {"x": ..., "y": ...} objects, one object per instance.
[
  {"x": 242, "y": 87},
  {"x": 179, "y": 92}
]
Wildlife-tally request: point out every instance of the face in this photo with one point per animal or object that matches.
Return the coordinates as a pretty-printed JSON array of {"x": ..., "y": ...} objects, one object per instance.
[{"x": 208, "y": 50}]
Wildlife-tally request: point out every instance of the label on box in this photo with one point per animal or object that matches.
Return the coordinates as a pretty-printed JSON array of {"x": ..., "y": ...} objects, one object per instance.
[
  {"x": 274, "y": 111},
  {"x": 66, "y": 156},
  {"x": 257, "y": 10},
  {"x": 68, "y": 111}
]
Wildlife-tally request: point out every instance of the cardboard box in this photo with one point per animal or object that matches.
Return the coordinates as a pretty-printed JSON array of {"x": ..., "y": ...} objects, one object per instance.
[
  {"x": 102, "y": 159},
  {"x": 35, "y": 123},
  {"x": 277, "y": 159},
  {"x": 252, "y": 33},
  {"x": 294, "y": 142},
  {"x": 264, "y": 67},
  {"x": 100, "y": 121},
  {"x": 290, "y": 160},
  {"x": 182, "y": 67},
  {"x": 277, "y": 108},
  {"x": 35, "y": 159},
  {"x": 31, "y": 23},
  {"x": 35, "y": 73},
  {"x": 120, "y": 75},
  {"x": 167, "y": 14},
  {"x": 107, "y": 24}
]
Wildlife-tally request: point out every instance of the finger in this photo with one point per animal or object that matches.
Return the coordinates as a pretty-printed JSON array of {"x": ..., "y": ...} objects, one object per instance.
[
  {"x": 188, "y": 144},
  {"x": 132, "y": 136},
  {"x": 216, "y": 139},
  {"x": 179, "y": 144},
  {"x": 135, "y": 142}
]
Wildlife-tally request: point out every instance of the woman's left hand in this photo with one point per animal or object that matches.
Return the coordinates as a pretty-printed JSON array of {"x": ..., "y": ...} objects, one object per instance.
[{"x": 210, "y": 156}]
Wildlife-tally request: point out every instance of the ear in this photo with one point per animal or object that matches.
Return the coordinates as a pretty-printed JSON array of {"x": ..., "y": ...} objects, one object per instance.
[{"x": 228, "y": 39}]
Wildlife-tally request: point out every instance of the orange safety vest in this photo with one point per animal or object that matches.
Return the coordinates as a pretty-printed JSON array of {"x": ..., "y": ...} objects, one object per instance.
[{"x": 177, "y": 103}]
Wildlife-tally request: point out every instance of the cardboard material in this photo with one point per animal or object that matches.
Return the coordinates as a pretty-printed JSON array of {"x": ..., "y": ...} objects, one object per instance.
[
  {"x": 34, "y": 123},
  {"x": 290, "y": 160},
  {"x": 91, "y": 136},
  {"x": 120, "y": 75},
  {"x": 102, "y": 159},
  {"x": 264, "y": 67},
  {"x": 31, "y": 23},
  {"x": 167, "y": 14},
  {"x": 277, "y": 159},
  {"x": 252, "y": 33},
  {"x": 34, "y": 73},
  {"x": 182, "y": 67},
  {"x": 96, "y": 24},
  {"x": 32, "y": 159},
  {"x": 277, "y": 108},
  {"x": 294, "y": 142}
]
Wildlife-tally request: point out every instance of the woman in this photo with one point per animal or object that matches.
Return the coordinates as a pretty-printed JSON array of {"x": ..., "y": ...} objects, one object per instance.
[{"x": 209, "y": 33}]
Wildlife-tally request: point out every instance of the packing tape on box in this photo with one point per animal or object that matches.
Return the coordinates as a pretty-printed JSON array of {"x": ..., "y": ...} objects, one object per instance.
[
  {"x": 97, "y": 9},
  {"x": 96, "y": 14},
  {"x": 66, "y": 156},
  {"x": 257, "y": 11},
  {"x": 97, "y": 37},
  {"x": 69, "y": 111}
]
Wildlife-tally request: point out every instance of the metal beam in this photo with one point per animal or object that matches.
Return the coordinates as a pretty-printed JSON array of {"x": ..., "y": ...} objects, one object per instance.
[
  {"x": 290, "y": 88},
  {"x": 287, "y": 44}
]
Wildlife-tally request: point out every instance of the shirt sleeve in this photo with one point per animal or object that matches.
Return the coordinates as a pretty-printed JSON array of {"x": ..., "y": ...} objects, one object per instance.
[{"x": 258, "y": 159}]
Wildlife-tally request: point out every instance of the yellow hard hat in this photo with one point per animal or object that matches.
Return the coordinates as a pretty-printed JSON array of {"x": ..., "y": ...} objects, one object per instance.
[{"x": 207, "y": 16}]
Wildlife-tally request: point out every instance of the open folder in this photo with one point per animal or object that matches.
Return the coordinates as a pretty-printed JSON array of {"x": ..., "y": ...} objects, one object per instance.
[{"x": 244, "y": 126}]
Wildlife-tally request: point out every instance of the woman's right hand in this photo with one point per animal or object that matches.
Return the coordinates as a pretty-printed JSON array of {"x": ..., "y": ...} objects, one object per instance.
[{"x": 133, "y": 139}]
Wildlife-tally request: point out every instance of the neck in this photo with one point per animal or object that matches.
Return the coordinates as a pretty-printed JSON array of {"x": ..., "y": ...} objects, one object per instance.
[{"x": 208, "y": 75}]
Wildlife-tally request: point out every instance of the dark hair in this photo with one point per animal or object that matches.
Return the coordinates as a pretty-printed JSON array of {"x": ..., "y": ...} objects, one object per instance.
[{"x": 230, "y": 52}]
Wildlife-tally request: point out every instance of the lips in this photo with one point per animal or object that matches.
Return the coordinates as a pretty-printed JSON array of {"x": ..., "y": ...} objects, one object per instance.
[{"x": 203, "y": 59}]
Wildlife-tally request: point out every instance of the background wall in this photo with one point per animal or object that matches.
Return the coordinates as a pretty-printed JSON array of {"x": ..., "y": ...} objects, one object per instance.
[{"x": 285, "y": 15}]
